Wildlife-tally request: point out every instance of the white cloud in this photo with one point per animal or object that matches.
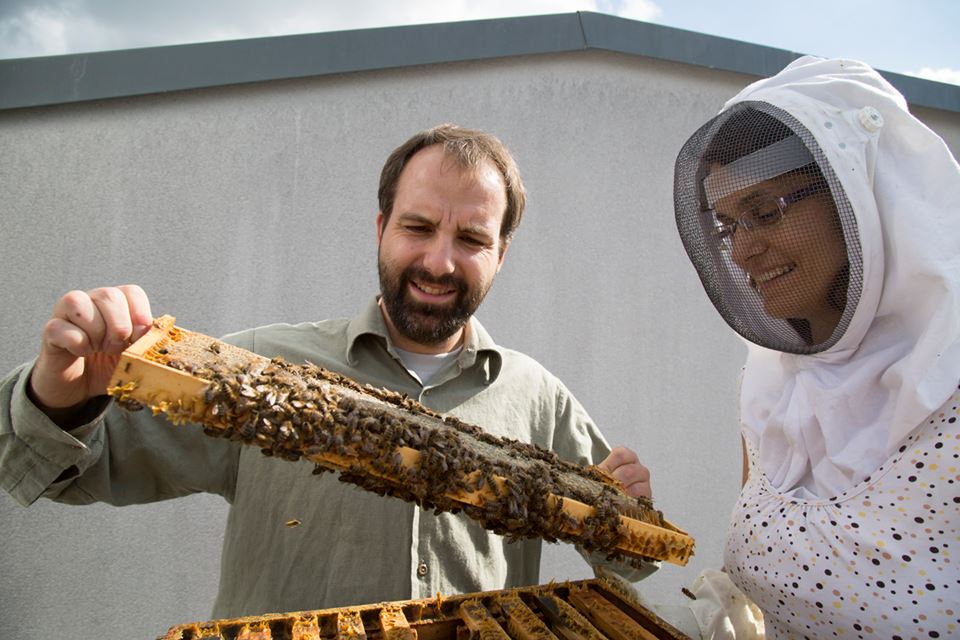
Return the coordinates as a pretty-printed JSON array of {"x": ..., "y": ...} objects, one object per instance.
[
  {"x": 360, "y": 14},
  {"x": 944, "y": 74},
  {"x": 34, "y": 32},
  {"x": 54, "y": 30},
  {"x": 49, "y": 27},
  {"x": 644, "y": 10}
]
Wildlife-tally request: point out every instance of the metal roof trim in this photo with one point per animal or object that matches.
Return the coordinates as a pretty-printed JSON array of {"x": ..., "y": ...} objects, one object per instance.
[{"x": 49, "y": 80}]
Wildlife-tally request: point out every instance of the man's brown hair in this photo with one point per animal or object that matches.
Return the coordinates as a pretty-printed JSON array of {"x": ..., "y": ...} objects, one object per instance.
[{"x": 469, "y": 148}]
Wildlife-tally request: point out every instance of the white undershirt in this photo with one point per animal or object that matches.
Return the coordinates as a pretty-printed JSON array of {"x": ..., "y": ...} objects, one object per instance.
[{"x": 423, "y": 366}]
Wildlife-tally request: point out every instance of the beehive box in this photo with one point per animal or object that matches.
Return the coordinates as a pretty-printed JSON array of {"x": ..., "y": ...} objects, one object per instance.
[
  {"x": 583, "y": 610},
  {"x": 388, "y": 443}
]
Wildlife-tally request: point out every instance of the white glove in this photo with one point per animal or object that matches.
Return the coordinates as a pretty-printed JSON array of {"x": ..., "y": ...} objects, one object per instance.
[{"x": 720, "y": 612}]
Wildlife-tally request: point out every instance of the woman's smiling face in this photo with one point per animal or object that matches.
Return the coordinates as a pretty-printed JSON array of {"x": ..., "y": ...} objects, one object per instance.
[{"x": 795, "y": 253}]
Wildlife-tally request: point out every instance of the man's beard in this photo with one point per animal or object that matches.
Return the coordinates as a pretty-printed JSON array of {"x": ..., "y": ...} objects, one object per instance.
[{"x": 427, "y": 323}]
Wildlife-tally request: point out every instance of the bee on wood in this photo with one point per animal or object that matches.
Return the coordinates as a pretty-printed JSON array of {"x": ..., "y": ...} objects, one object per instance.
[
  {"x": 368, "y": 448},
  {"x": 371, "y": 424},
  {"x": 270, "y": 399},
  {"x": 267, "y": 427},
  {"x": 336, "y": 443},
  {"x": 247, "y": 431},
  {"x": 491, "y": 483}
]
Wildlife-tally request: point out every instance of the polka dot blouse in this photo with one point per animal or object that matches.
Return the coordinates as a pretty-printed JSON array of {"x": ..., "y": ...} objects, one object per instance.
[{"x": 875, "y": 562}]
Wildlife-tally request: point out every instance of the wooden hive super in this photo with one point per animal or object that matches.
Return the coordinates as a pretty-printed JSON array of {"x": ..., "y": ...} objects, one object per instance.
[
  {"x": 388, "y": 443},
  {"x": 583, "y": 610}
]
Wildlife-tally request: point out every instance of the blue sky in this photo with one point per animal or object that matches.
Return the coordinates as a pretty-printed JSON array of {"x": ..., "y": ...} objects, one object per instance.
[{"x": 916, "y": 37}]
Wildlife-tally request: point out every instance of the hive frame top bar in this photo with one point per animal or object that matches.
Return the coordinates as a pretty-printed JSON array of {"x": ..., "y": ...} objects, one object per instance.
[
  {"x": 142, "y": 377},
  {"x": 595, "y": 609}
]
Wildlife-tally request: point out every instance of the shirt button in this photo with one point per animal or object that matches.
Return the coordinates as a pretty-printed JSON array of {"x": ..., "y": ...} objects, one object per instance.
[{"x": 422, "y": 569}]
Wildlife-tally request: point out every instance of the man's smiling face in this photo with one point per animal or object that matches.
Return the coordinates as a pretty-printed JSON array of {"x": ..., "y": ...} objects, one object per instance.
[{"x": 440, "y": 249}]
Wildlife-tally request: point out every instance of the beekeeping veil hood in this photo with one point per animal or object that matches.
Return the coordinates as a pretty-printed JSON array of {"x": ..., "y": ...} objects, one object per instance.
[{"x": 824, "y": 222}]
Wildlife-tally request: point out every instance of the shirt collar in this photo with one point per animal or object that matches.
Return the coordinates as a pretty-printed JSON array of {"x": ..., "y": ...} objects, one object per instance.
[{"x": 477, "y": 345}]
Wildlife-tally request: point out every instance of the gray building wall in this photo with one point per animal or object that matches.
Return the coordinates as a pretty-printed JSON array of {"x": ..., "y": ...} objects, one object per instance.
[{"x": 241, "y": 205}]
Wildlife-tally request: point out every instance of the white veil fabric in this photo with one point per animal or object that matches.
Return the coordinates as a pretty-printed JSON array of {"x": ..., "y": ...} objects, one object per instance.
[{"x": 825, "y": 422}]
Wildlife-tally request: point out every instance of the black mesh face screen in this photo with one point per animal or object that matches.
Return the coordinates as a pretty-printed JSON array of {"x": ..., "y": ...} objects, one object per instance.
[{"x": 769, "y": 229}]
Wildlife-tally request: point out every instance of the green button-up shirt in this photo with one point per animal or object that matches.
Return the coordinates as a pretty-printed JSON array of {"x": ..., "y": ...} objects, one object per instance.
[{"x": 351, "y": 546}]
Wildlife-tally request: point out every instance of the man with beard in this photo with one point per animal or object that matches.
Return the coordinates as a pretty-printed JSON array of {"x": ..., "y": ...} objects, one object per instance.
[{"x": 450, "y": 200}]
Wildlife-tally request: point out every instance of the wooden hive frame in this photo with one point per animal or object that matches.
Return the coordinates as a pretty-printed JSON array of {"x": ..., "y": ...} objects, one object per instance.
[
  {"x": 388, "y": 443},
  {"x": 581, "y": 610}
]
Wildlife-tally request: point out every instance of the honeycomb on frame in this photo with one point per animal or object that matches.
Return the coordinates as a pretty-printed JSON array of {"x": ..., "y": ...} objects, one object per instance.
[{"x": 388, "y": 443}]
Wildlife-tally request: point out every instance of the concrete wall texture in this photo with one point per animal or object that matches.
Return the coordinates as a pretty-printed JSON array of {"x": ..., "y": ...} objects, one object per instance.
[{"x": 242, "y": 205}]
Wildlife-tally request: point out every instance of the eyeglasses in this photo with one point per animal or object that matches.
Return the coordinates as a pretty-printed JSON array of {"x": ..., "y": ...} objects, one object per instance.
[{"x": 763, "y": 213}]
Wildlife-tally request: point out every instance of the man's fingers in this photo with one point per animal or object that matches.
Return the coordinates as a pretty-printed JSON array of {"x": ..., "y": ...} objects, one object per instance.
[
  {"x": 81, "y": 341},
  {"x": 624, "y": 465},
  {"x": 635, "y": 479},
  {"x": 103, "y": 320},
  {"x": 629, "y": 474},
  {"x": 60, "y": 335},
  {"x": 111, "y": 303},
  {"x": 74, "y": 312},
  {"x": 618, "y": 457},
  {"x": 139, "y": 306},
  {"x": 639, "y": 490}
]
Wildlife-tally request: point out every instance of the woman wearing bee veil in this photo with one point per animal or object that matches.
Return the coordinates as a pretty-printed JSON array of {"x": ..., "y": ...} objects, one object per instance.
[{"x": 824, "y": 222}]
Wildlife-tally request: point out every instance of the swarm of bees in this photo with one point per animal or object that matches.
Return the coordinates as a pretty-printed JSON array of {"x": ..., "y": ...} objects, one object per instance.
[{"x": 390, "y": 444}]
